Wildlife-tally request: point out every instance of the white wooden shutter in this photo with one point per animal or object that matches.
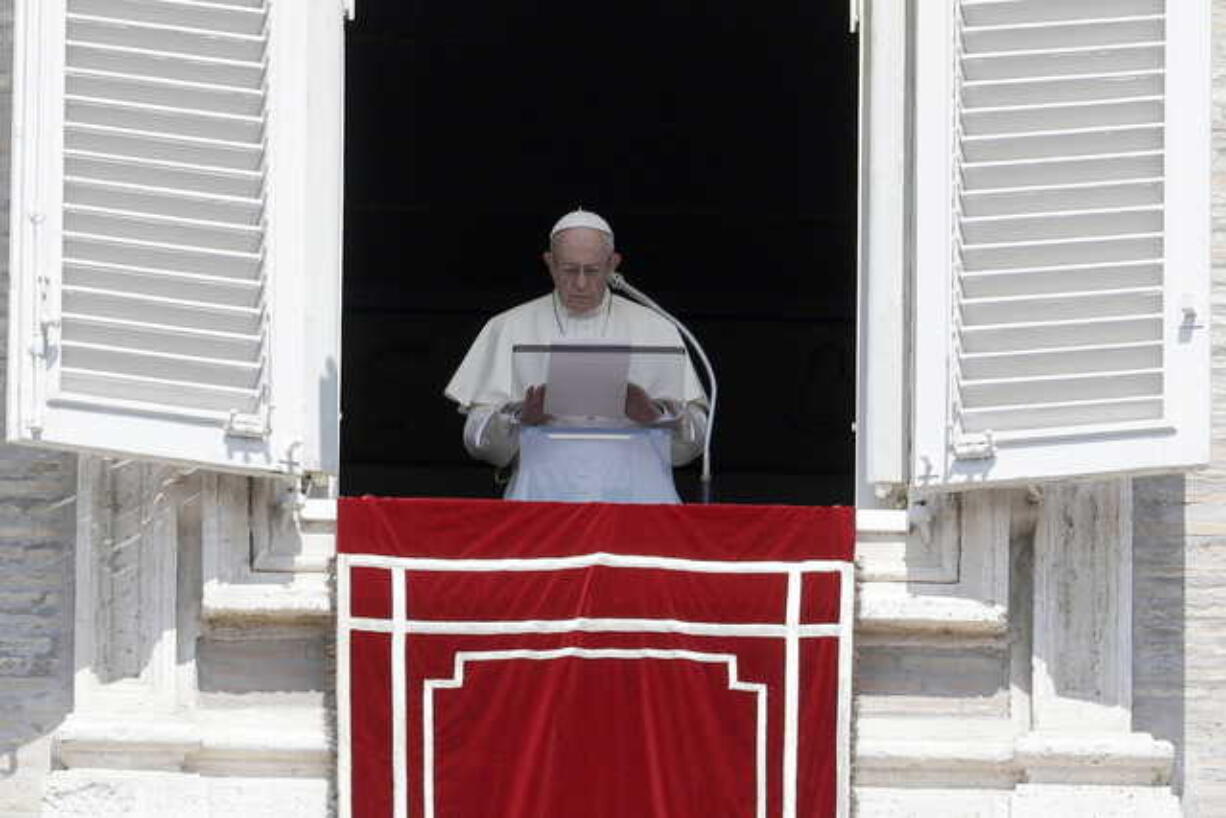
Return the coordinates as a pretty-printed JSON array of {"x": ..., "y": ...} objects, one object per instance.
[
  {"x": 160, "y": 241},
  {"x": 1062, "y": 235}
]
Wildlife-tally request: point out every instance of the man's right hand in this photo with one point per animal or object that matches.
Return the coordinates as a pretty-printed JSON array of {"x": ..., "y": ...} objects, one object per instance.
[{"x": 532, "y": 413}]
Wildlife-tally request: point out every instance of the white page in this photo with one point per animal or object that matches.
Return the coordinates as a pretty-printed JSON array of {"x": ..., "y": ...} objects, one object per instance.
[{"x": 588, "y": 379}]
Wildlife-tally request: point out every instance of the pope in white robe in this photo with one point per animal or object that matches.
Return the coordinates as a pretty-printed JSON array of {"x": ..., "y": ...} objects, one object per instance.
[{"x": 506, "y": 422}]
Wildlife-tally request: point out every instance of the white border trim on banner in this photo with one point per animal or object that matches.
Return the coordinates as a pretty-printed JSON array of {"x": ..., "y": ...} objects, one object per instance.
[
  {"x": 400, "y": 626},
  {"x": 597, "y": 558},
  {"x": 463, "y": 657}
]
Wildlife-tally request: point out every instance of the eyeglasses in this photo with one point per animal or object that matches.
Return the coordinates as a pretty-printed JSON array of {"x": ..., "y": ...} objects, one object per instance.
[{"x": 591, "y": 270}]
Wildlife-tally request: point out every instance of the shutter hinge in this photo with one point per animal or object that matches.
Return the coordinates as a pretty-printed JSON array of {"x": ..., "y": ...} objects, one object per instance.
[
  {"x": 240, "y": 424},
  {"x": 310, "y": 497},
  {"x": 47, "y": 336},
  {"x": 47, "y": 340},
  {"x": 920, "y": 518},
  {"x": 975, "y": 447},
  {"x": 254, "y": 425}
]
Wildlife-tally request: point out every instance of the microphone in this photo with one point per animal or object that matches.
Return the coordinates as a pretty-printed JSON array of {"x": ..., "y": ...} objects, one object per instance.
[{"x": 618, "y": 282}]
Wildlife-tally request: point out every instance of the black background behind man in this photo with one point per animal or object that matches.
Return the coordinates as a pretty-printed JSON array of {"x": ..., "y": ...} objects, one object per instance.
[{"x": 723, "y": 138}]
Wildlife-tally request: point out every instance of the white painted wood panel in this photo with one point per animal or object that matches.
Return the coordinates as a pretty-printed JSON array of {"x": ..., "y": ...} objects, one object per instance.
[
  {"x": 1062, "y": 239},
  {"x": 175, "y": 291}
]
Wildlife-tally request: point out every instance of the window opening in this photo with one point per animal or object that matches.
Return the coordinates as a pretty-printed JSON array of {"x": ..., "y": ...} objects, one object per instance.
[{"x": 719, "y": 140}]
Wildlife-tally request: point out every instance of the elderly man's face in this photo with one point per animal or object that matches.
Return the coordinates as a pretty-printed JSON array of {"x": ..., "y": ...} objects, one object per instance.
[{"x": 580, "y": 263}]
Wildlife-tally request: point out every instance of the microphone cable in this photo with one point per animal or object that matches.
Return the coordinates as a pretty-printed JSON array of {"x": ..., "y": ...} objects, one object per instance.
[{"x": 618, "y": 282}]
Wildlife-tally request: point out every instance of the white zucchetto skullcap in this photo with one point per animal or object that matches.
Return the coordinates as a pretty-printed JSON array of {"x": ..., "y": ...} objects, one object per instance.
[{"x": 581, "y": 218}]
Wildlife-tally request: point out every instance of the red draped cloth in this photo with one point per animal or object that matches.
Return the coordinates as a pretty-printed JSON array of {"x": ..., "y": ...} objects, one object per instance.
[{"x": 550, "y": 660}]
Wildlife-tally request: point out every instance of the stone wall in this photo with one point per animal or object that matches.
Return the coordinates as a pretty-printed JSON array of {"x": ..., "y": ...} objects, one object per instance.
[
  {"x": 1180, "y": 542},
  {"x": 37, "y": 525}
]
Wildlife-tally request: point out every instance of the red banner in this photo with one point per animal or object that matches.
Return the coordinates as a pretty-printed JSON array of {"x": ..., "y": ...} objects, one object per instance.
[{"x": 522, "y": 660}]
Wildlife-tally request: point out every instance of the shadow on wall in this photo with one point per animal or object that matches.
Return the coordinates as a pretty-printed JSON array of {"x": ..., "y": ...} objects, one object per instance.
[{"x": 1158, "y": 618}]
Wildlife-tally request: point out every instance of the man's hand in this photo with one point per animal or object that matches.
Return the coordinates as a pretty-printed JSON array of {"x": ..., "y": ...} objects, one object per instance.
[
  {"x": 639, "y": 406},
  {"x": 532, "y": 413}
]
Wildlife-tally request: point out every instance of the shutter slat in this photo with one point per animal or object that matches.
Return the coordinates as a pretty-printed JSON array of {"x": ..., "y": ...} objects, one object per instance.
[
  {"x": 155, "y": 310},
  {"x": 997, "y": 13},
  {"x": 1071, "y": 142},
  {"x": 1052, "y": 334},
  {"x": 1063, "y": 61},
  {"x": 1035, "y": 391},
  {"x": 1042, "y": 280},
  {"x": 1054, "y": 90},
  {"x": 136, "y": 62},
  {"x": 158, "y": 91},
  {"x": 109, "y": 250},
  {"x": 1061, "y": 415},
  {"x": 171, "y": 339},
  {"x": 200, "y": 153},
  {"x": 1062, "y": 361},
  {"x": 142, "y": 172},
  {"x": 163, "y": 120},
  {"x": 191, "y": 42},
  {"x": 146, "y": 364},
  {"x": 1000, "y": 228},
  {"x": 990, "y": 40},
  {"x": 1021, "y": 119},
  {"x": 1010, "y": 255},
  {"x": 1061, "y": 198},
  {"x": 228, "y": 18},
  {"x": 1062, "y": 307},
  {"x": 1062, "y": 170},
  {"x": 158, "y": 391},
  {"x": 160, "y": 283},
  {"x": 164, "y": 201},
  {"x": 163, "y": 229}
]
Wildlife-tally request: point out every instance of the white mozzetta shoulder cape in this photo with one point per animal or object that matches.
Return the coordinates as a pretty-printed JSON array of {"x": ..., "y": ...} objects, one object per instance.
[{"x": 485, "y": 377}]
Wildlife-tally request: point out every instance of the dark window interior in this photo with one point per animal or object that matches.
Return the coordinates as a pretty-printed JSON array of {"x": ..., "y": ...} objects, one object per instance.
[{"x": 719, "y": 139}]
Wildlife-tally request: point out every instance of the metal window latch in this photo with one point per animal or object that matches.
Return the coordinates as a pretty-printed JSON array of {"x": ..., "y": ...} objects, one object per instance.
[
  {"x": 979, "y": 446},
  {"x": 1189, "y": 315}
]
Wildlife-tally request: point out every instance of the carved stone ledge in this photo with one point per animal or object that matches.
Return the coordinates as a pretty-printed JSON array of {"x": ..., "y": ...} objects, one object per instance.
[
  {"x": 274, "y": 749},
  {"x": 1055, "y": 801},
  {"x": 893, "y": 609},
  {"x": 145, "y": 794},
  {"x": 903, "y": 802},
  {"x": 276, "y": 744},
  {"x": 126, "y": 743},
  {"x": 935, "y": 752},
  {"x": 1108, "y": 758},
  {"x": 302, "y": 599},
  {"x": 986, "y": 754}
]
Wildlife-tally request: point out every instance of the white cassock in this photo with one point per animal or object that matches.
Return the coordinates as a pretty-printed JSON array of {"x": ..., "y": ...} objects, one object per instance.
[{"x": 558, "y": 467}]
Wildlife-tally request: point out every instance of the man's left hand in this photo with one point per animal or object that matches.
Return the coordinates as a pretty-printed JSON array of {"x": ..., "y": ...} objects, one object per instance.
[{"x": 640, "y": 407}]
